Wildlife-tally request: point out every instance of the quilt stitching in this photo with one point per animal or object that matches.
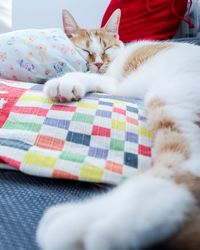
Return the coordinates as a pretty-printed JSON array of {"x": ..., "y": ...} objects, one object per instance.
[{"x": 101, "y": 138}]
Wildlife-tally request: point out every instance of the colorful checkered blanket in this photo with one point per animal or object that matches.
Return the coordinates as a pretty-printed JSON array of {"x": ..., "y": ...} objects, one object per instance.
[{"x": 101, "y": 138}]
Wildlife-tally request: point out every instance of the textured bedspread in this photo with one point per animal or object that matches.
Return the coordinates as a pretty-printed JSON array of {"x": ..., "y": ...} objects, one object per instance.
[{"x": 100, "y": 138}]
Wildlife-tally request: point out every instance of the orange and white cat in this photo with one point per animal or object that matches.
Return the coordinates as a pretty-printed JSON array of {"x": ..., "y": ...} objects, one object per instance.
[{"x": 163, "y": 203}]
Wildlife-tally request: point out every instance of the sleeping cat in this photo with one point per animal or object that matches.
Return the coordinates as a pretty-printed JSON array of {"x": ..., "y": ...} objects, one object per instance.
[{"x": 163, "y": 203}]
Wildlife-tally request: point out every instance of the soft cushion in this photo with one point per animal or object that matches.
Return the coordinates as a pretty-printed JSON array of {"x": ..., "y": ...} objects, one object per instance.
[
  {"x": 37, "y": 55},
  {"x": 101, "y": 138},
  {"x": 147, "y": 19}
]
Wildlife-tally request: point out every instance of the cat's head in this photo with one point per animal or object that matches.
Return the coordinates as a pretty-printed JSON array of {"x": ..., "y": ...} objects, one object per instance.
[{"x": 100, "y": 46}]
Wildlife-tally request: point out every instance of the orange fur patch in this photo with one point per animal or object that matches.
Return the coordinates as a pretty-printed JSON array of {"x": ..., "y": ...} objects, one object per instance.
[
  {"x": 170, "y": 146},
  {"x": 83, "y": 38},
  {"x": 192, "y": 182},
  {"x": 187, "y": 237},
  {"x": 78, "y": 36},
  {"x": 155, "y": 103},
  {"x": 83, "y": 35},
  {"x": 167, "y": 123},
  {"x": 159, "y": 120},
  {"x": 170, "y": 141},
  {"x": 142, "y": 55}
]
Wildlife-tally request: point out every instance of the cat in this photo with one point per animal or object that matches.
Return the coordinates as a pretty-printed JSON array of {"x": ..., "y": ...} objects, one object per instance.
[{"x": 163, "y": 203}]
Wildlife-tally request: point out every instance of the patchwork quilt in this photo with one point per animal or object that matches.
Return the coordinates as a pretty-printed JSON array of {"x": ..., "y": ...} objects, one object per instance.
[{"x": 101, "y": 138}]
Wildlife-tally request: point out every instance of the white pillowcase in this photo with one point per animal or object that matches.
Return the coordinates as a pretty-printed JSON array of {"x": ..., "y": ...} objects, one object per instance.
[{"x": 37, "y": 55}]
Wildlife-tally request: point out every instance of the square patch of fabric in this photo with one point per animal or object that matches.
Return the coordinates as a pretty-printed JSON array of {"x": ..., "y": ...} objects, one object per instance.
[{"x": 101, "y": 138}]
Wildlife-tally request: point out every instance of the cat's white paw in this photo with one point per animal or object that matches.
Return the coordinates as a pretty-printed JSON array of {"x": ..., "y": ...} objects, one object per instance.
[
  {"x": 136, "y": 215},
  {"x": 64, "y": 89},
  {"x": 64, "y": 227}
]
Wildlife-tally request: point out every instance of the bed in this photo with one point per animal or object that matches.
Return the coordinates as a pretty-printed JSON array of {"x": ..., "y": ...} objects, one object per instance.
[{"x": 24, "y": 197}]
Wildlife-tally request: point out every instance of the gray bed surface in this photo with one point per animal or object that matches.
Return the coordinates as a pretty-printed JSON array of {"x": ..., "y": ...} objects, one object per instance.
[{"x": 24, "y": 198}]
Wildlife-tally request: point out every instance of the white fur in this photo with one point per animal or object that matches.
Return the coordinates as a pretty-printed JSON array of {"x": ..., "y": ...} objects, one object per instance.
[
  {"x": 146, "y": 210},
  {"x": 130, "y": 215},
  {"x": 112, "y": 25},
  {"x": 81, "y": 83},
  {"x": 173, "y": 75},
  {"x": 96, "y": 49}
]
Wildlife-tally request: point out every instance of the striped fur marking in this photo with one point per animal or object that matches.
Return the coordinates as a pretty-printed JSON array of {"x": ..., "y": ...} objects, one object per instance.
[
  {"x": 157, "y": 117},
  {"x": 141, "y": 55},
  {"x": 174, "y": 142},
  {"x": 170, "y": 145}
]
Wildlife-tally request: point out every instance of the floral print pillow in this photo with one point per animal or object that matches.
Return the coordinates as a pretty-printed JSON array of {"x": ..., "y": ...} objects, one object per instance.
[{"x": 36, "y": 55}]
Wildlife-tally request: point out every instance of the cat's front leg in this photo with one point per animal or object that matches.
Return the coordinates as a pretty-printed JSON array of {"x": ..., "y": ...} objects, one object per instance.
[
  {"x": 73, "y": 86},
  {"x": 138, "y": 214}
]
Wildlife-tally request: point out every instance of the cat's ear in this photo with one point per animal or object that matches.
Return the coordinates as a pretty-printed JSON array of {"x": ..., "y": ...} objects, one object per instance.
[
  {"x": 69, "y": 23},
  {"x": 112, "y": 24}
]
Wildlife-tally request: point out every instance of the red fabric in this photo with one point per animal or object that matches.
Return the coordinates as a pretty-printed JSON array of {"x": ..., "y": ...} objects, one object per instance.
[{"x": 147, "y": 19}]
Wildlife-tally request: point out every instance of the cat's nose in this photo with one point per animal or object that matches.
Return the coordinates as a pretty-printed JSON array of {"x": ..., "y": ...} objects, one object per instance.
[{"x": 98, "y": 65}]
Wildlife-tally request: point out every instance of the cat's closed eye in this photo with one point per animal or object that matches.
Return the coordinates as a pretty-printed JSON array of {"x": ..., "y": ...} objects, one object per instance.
[
  {"x": 84, "y": 50},
  {"x": 87, "y": 51}
]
